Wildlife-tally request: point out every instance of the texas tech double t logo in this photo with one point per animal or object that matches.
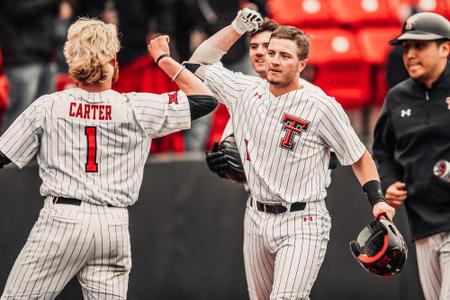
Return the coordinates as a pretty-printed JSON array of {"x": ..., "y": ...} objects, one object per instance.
[{"x": 292, "y": 125}]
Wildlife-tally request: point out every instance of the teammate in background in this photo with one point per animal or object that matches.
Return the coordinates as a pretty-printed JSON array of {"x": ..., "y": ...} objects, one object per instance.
[
  {"x": 91, "y": 145},
  {"x": 411, "y": 135},
  {"x": 284, "y": 134},
  {"x": 216, "y": 159}
]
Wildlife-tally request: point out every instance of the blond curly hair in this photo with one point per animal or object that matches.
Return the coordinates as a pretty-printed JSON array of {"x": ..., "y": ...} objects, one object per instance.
[{"x": 91, "y": 44}]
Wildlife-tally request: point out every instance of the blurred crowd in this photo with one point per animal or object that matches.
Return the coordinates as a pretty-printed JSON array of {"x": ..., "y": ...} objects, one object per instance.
[{"x": 32, "y": 35}]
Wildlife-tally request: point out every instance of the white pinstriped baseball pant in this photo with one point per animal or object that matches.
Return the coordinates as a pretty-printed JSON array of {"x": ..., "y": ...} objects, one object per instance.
[
  {"x": 88, "y": 241},
  {"x": 284, "y": 252},
  {"x": 433, "y": 259}
]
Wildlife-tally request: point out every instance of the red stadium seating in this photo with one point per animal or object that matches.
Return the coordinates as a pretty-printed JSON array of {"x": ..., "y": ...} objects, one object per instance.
[
  {"x": 64, "y": 81},
  {"x": 219, "y": 121},
  {"x": 301, "y": 12},
  {"x": 373, "y": 42},
  {"x": 4, "y": 91},
  {"x": 360, "y": 12},
  {"x": 437, "y": 6},
  {"x": 339, "y": 66}
]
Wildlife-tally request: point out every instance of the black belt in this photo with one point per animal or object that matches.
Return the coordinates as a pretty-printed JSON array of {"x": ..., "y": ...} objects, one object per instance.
[
  {"x": 278, "y": 208},
  {"x": 70, "y": 201}
]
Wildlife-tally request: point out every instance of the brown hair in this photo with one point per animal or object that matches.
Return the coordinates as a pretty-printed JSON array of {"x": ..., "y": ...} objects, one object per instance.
[
  {"x": 268, "y": 25},
  {"x": 294, "y": 34}
]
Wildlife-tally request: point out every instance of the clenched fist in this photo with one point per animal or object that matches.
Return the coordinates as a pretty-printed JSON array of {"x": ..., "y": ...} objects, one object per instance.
[
  {"x": 159, "y": 46},
  {"x": 247, "y": 20}
]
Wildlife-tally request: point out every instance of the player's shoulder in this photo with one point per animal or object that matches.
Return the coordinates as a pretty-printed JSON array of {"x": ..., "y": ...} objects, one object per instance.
[
  {"x": 237, "y": 77},
  {"x": 321, "y": 101},
  {"x": 320, "y": 98},
  {"x": 78, "y": 94},
  {"x": 311, "y": 87},
  {"x": 150, "y": 97}
]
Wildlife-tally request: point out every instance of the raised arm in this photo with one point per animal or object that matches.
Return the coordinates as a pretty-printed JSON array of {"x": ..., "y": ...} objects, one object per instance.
[
  {"x": 366, "y": 172},
  {"x": 201, "y": 101},
  {"x": 212, "y": 50}
]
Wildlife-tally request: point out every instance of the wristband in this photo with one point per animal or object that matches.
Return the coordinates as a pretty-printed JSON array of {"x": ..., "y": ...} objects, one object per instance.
[
  {"x": 178, "y": 73},
  {"x": 373, "y": 192},
  {"x": 161, "y": 57}
]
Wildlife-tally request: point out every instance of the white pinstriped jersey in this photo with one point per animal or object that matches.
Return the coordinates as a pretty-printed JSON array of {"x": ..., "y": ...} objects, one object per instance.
[
  {"x": 93, "y": 146},
  {"x": 284, "y": 141},
  {"x": 305, "y": 84}
]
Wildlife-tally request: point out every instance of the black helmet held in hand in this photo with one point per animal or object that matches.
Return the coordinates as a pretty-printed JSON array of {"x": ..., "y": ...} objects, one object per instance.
[
  {"x": 424, "y": 26},
  {"x": 380, "y": 249}
]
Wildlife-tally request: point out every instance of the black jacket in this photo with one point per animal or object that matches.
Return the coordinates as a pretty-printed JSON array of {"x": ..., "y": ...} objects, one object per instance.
[
  {"x": 26, "y": 31},
  {"x": 411, "y": 135}
]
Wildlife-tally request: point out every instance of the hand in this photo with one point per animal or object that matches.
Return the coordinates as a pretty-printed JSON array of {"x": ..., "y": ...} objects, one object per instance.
[
  {"x": 396, "y": 194},
  {"x": 216, "y": 161},
  {"x": 158, "y": 46},
  {"x": 247, "y": 20},
  {"x": 383, "y": 208}
]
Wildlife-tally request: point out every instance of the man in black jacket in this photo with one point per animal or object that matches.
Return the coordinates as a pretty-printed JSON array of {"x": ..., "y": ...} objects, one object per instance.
[
  {"x": 26, "y": 39},
  {"x": 411, "y": 135}
]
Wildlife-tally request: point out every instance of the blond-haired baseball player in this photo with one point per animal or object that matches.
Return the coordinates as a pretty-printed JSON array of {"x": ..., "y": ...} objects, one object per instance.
[{"x": 91, "y": 145}]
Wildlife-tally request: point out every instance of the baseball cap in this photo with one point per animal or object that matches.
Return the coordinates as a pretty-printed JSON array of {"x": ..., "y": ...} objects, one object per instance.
[{"x": 424, "y": 26}]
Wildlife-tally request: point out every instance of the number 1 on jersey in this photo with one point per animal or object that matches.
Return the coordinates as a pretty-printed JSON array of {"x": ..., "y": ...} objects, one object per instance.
[{"x": 91, "y": 136}]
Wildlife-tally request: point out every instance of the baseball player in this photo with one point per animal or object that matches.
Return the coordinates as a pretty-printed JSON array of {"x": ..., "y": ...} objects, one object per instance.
[
  {"x": 216, "y": 160},
  {"x": 284, "y": 134},
  {"x": 410, "y": 136},
  {"x": 91, "y": 145}
]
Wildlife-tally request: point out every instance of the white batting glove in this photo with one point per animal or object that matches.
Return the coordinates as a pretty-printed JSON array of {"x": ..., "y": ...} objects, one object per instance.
[{"x": 247, "y": 20}]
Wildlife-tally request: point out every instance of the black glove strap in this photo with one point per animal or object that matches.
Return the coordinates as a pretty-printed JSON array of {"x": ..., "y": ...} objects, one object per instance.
[{"x": 373, "y": 192}]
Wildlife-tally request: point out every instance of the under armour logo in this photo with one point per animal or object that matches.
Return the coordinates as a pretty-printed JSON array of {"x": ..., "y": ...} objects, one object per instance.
[
  {"x": 405, "y": 113},
  {"x": 448, "y": 102},
  {"x": 258, "y": 95}
]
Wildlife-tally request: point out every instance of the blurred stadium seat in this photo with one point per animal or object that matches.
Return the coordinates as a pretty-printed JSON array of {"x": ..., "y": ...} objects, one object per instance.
[
  {"x": 362, "y": 12},
  {"x": 64, "y": 81},
  {"x": 373, "y": 42},
  {"x": 219, "y": 121},
  {"x": 340, "y": 69},
  {"x": 4, "y": 90},
  {"x": 302, "y": 12},
  {"x": 437, "y": 6}
]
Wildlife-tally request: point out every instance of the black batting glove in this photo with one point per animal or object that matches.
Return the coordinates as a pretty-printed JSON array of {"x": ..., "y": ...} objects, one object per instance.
[
  {"x": 334, "y": 162},
  {"x": 216, "y": 161}
]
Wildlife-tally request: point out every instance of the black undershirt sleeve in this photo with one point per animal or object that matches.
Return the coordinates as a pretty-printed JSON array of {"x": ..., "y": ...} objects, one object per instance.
[
  {"x": 3, "y": 160},
  {"x": 201, "y": 105}
]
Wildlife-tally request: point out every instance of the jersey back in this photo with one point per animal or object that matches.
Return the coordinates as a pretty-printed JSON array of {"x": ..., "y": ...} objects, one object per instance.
[{"x": 93, "y": 146}]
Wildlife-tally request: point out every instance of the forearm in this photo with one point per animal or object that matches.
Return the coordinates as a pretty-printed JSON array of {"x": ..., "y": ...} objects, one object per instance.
[
  {"x": 366, "y": 172},
  {"x": 365, "y": 169},
  {"x": 212, "y": 50},
  {"x": 186, "y": 81},
  {"x": 224, "y": 39}
]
